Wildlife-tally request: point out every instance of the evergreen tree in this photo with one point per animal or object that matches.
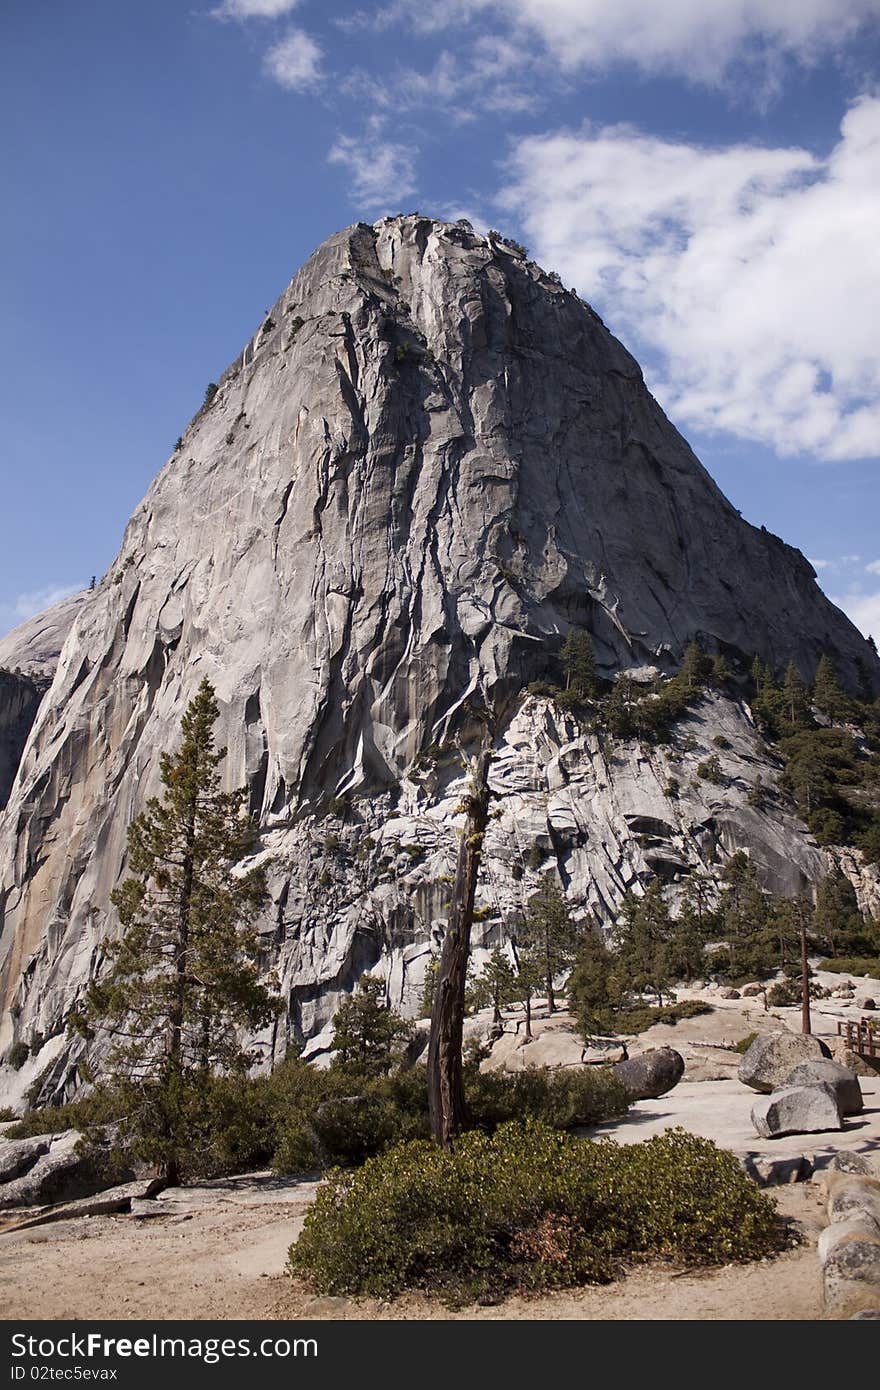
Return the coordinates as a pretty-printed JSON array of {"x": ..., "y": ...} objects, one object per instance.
[
  {"x": 182, "y": 983},
  {"x": 720, "y": 670},
  {"x": 695, "y": 925},
  {"x": 495, "y": 986},
  {"x": 593, "y": 987},
  {"x": 644, "y": 942},
  {"x": 367, "y": 1032},
  {"x": 549, "y": 936},
  {"x": 828, "y": 696},
  {"x": 528, "y": 981},
  {"x": 696, "y": 667},
  {"x": 838, "y": 925},
  {"x": 579, "y": 664},
  {"x": 797, "y": 707},
  {"x": 428, "y": 989}
]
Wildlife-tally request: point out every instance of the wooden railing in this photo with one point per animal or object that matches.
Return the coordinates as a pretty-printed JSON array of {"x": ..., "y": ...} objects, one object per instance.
[{"x": 862, "y": 1037}]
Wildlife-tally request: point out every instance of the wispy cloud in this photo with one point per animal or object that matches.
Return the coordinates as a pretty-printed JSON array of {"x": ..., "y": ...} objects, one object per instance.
[
  {"x": 381, "y": 171},
  {"x": 25, "y": 605},
  {"x": 863, "y": 609},
  {"x": 874, "y": 567},
  {"x": 254, "y": 9},
  {"x": 295, "y": 62},
  {"x": 693, "y": 39},
  {"x": 701, "y": 257}
]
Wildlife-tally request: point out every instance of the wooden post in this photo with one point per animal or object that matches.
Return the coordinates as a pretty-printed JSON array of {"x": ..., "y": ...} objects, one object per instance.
[{"x": 446, "y": 1103}]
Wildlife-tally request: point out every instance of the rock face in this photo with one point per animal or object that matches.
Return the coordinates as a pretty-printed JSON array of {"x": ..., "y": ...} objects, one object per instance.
[
  {"x": 797, "y": 1110},
  {"x": 651, "y": 1074},
  {"x": 20, "y": 697},
  {"x": 427, "y": 465},
  {"x": 35, "y": 645},
  {"x": 28, "y": 657},
  {"x": 843, "y": 1082},
  {"x": 772, "y": 1056}
]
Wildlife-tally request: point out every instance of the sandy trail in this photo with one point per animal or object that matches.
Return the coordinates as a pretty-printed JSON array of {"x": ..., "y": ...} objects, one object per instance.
[{"x": 221, "y": 1250}]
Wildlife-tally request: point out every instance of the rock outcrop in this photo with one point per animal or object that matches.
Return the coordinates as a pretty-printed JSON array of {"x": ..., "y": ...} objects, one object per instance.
[
  {"x": 651, "y": 1074},
  {"x": 797, "y": 1110},
  {"x": 429, "y": 463},
  {"x": 20, "y": 697},
  {"x": 842, "y": 1081},
  {"x": 28, "y": 658},
  {"x": 772, "y": 1056}
]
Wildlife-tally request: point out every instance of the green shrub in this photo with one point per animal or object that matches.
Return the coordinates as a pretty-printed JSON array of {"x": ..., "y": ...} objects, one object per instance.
[
  {"x": 745, "y": 1043},
  {"x": 711, "y": 770},
  {"x": 561, "y": 1098},
  {"x": 853, "y": 965},
  {"x": 18, "y": 1055},
  {"x": 638, "y": 1019},
  {"x": 210, "y": 392},
  {"x": 528, "y": 1208},
  {"x": 721, "y": 742},
  {"x": 6, "y": 1114}
]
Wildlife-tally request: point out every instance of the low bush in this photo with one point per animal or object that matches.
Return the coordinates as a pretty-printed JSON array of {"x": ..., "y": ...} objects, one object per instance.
[
  {"x": 639, "y": 1019},
  {"x": 853, "y": 965},
  {"x": 745, "y": 1043},
  {"x": 528, "y": 1208},
  {"x": 560, "y": 1098}
]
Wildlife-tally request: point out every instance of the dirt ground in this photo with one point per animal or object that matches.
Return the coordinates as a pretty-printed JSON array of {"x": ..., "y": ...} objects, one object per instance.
[
  {"x": 218, "y": 1251},
  {"x": 220, "y": 1254}
]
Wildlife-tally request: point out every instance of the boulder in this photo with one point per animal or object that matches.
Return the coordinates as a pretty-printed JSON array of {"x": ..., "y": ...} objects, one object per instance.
[
  {"x": 771, "y": 1057},
  {"x": 862, "y": 1066},
  {"x": 728, "y": 993},
  {"x": 848, "y": 1162},
  {"x": 64, "y": 1171},
  {"x": 840, "y": 1232},
  {"x": 651, "y": 1074},
  {"x": 18, "y": 1156},
  {"x": 843, "y": 1081},
  {"x": 797, "y": 1110},
  {"x": 752, "y": 991},
  {"x": 868, "y": 1004},
  {"x": 851, "y": 1275},
  {"x": 852, "y": 1195}
]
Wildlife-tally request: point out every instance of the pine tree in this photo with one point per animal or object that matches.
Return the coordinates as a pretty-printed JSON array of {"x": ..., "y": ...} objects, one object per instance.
[
  {"x": 828, "y": 696},
  {"x": 495, "y": 986},
  {"x": 367, "y": 1032},
  {"x": 696, "y": 667},
  {"x": 182, "y": 984},
  {"x": 643, "y": 940},
  {"x": 579, "y": 664},
  {"x": 549, "y": 936},
  {"x": 593, "y": 990},
  {"x": 797, "y": 708}
]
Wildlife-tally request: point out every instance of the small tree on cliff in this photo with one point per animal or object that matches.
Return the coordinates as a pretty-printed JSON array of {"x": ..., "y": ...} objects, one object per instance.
[{"x": 182, "y": 983}]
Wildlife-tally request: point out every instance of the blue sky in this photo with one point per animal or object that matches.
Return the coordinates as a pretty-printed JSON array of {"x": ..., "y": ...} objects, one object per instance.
[{"x": 707, "y": 175}]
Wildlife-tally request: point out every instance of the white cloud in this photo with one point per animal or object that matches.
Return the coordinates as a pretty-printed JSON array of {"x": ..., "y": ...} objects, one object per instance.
[
  {"x": 254, "y": 9},
  {"x": 753, "y": 274},
  {"x": 25, "y": 605},
  {"x": 697, "y": 39},
  {"x": 381, "y": 171},
  {"x": 863, "y": 609},
  {"x": 874, "y": 567},
  {"x": 295, "y": 62},
  {"x": 821, "y": 564}
]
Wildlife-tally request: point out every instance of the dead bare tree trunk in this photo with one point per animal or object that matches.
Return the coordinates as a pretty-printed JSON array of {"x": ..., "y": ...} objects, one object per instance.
[
  {"x": 446, "y": 1101},
  {"x": 806, "y": 1021}
]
